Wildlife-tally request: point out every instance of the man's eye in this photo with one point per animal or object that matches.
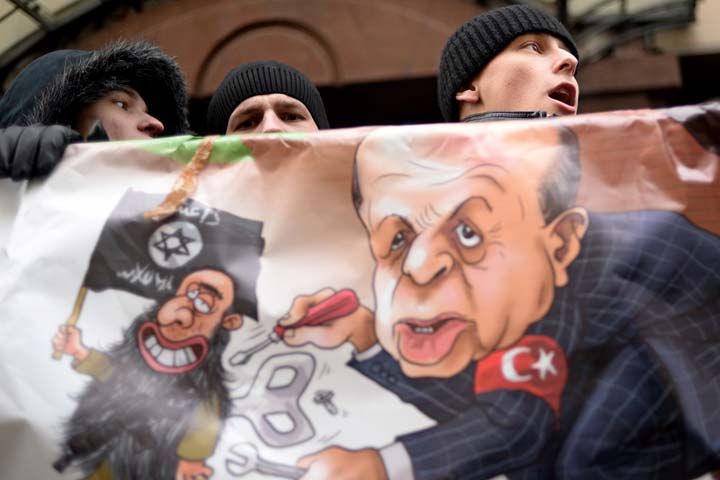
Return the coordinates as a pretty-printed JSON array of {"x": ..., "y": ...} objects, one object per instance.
[
  {"x": 121, "y": 104},
  {"x": 467, "y": 236},
  {"x": 247, "y": 124},
  {"x": 192, "y": 294},
  {"x": 532, "y": 46},
  {"x": 398, "y": 241},
  {"x": 292, "y": 117},
  {"x": 201, "y": 305}
]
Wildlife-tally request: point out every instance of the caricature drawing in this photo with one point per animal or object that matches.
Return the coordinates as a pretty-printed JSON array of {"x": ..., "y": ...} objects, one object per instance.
[
  {"x": 269, "y": 397},
  {"x": 157, "y": 400},
  {"x": 523, "y": 324}
]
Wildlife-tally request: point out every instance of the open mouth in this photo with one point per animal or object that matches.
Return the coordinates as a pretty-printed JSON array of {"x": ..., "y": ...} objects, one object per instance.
[
  {"x": 426, "y": 342},
  {"x": 167, "y": 356},
  {"x": 564, "y": 94}
]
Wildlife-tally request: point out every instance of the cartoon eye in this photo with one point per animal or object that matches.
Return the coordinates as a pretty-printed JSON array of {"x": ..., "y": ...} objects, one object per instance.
[
  {"x": 467, "y": 236},
  {"x": 201, "y": 305},
  {"x": 398, "y": 241},
  {"x": 192, "y": 294}
]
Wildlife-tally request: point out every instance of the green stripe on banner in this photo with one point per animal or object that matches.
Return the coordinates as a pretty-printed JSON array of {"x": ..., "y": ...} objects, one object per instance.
[{"x": 226, "y": 149}]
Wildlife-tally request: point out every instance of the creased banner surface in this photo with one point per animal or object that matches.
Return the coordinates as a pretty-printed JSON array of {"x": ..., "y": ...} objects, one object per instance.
[{"x": 523, "y": 299}]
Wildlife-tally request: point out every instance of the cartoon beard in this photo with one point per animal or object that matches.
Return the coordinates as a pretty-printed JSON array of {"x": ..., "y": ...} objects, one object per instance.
[{"x": 135, "y": 419}]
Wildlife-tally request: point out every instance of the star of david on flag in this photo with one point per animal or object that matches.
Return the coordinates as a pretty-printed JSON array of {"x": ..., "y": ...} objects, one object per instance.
[{"x": 150, "y": 258}]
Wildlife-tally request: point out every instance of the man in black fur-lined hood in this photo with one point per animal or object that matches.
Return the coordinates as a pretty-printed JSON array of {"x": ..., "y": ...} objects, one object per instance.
[
  {"x": 56, "y": 87},
  {"x": 133, "y": 90}
]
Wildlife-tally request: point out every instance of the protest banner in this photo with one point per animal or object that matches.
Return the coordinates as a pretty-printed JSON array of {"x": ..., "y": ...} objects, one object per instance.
[{"x": 507, "y": 299}]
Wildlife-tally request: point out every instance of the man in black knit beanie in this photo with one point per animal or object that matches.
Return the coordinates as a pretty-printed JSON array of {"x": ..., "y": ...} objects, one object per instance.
[
  {"x": 266, "y": 96},
  {"x": 511, "y": 62}
]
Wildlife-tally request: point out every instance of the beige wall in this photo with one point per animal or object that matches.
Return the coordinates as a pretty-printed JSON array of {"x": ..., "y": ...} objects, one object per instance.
[{"x": 701, "y": 37}]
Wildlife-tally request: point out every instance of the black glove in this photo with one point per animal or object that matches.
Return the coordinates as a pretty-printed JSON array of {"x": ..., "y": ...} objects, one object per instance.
[
  {"x": 97, "y": 133},
  {"x": 30, "y": 152}
]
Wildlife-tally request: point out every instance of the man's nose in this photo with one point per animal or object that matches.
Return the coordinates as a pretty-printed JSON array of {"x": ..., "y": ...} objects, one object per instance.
[
  {"x": 177, "y": 311},
  {"x": 271, "y": 123},
  {"x": 564, "y": 62},
  {"x": 428, "y": 258},
  {"x": 150, "y": 125}
]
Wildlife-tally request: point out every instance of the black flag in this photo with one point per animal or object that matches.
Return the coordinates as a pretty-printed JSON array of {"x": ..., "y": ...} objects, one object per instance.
[{"x": 150, "y": 258}]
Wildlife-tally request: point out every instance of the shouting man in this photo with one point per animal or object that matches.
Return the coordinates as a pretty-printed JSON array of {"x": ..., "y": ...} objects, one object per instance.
[
  {"x": 513, "y": 62},
  {"x": 157, "y": 400}
]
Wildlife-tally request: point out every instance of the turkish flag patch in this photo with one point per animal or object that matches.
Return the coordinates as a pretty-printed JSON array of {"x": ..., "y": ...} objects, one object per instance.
[{"x": 535, "y": 364}]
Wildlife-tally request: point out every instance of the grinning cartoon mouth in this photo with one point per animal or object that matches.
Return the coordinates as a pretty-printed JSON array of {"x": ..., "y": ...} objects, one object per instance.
[
  {"x": 167, "y": 356},
  {"x": 564, "y": 94},
  {"x": 426, "y": 342}
]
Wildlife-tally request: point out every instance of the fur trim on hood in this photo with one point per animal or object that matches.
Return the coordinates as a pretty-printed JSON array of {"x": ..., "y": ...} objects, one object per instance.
[{"x": 55, "y": 87}]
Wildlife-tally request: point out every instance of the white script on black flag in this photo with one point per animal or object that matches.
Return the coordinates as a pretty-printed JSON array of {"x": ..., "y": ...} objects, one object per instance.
[{"x": 151, "y": 258}]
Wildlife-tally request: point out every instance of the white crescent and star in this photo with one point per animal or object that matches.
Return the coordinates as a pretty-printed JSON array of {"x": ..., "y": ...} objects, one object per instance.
[
  {"x": 543, "y": 365},
  {"x": 508, "y": 365}
]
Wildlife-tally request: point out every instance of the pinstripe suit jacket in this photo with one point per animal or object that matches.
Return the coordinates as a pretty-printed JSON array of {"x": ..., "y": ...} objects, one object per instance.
[{"x": 645, "y": 279}]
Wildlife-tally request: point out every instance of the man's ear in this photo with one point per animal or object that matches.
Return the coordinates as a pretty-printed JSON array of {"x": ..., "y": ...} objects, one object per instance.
[
  {"x": 232, "y": 321},
  {"x": 565, "y": 235},
  {"x": 468, "y": 93}
]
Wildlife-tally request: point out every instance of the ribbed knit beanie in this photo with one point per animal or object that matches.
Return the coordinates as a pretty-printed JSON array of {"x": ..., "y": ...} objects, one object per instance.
[
  {"x": 262, "y": 78},
  {"x": 479, "y": 40}
]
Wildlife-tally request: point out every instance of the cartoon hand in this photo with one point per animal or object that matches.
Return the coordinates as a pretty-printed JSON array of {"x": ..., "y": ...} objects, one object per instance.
[
  {"x": 67, "y": 340},
  {"x": 190, "y": 470},
  {"x": 339, "y": 464},
  {"x": 357, "y": 328}
]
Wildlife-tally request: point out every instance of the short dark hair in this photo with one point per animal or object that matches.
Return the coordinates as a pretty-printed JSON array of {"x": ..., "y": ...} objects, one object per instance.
[
  {"x": 560, "y": 184},
  {"x": 356, "y": 194},
  {"x": 558, "y": 189}
]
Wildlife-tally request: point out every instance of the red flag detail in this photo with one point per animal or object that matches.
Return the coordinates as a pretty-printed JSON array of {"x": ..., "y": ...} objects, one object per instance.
[{"x": 535, "y": 364}]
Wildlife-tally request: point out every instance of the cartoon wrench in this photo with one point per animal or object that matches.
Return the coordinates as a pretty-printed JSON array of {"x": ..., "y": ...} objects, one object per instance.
[{"x": 247, "y": 460}]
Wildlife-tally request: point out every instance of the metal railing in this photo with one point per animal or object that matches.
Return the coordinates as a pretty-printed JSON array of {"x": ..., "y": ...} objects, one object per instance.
[{"x": 600, "y": 26}]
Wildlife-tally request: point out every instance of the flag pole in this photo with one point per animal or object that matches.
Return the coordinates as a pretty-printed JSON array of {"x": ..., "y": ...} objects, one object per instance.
[{"x": 57, "y": 354}]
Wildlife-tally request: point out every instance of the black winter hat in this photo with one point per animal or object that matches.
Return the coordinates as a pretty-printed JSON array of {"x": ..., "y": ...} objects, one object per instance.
[
  {"x": 480, "y": 39},
  {"x": 262, "y": 78},
  {"x": 55, "y": 87}
]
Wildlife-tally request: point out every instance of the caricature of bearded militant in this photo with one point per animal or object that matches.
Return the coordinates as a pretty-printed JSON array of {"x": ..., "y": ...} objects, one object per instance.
[
  {"x": 157, "y": 399},
  {"x": 488, "y": 281}
]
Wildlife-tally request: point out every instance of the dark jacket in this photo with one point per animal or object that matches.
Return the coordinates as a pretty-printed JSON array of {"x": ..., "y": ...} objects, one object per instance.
[
  {"x": 55, "y": 87},
  {"x": 644, "y": 290},
  {"x": 502, "y": 115}
]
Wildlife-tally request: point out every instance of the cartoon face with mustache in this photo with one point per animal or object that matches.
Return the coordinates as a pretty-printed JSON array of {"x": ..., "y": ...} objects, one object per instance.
[{"x": 465, "y": 260}]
